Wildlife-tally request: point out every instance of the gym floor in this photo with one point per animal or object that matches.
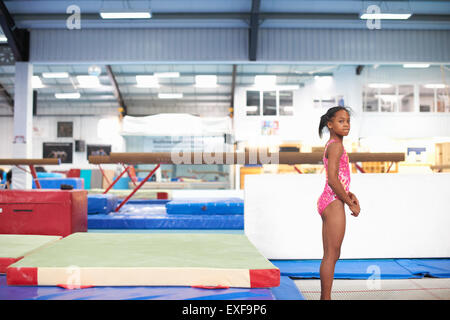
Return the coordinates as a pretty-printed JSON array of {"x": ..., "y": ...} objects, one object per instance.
[{"x": 393, "y": 289}]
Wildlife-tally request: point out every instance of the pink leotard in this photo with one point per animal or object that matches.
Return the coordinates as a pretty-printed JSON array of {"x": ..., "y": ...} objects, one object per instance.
[{"x": 328, "y": 194}]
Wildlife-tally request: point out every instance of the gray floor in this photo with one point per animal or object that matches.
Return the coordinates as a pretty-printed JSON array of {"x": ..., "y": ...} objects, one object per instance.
[{"x": 405, "y": 289}]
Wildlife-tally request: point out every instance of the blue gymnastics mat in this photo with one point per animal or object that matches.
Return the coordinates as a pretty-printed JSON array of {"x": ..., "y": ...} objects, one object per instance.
[
  {"x": 213, "y": 206},
  {"x": 346, "y": 269},
  {"x": 163, "y": 221},
  {"x": 138, "y": 216},
  {"x": 101, "y": 203},
  {"x": 129, "y": 293},
  {"x": 287, "y": 290},
  {"x": 145, "y": 201},
  {"x": 438, "y": 268},
  {"x": 55, "y": 183}
]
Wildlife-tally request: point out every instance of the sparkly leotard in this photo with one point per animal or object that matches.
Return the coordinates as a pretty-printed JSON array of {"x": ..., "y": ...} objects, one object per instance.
[{"x": 328, "y": 194}]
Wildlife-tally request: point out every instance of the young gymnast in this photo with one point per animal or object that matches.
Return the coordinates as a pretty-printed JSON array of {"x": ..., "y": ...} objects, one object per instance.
[{"x": 335, "y": 195}]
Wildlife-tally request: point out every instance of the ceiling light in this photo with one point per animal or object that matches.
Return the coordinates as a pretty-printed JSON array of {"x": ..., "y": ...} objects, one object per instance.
[
  {"x": 386, "y": 16},
  {"x": 55, "y": 75},
  {"x": 265, "y": 80},
  {"x": 74, "y": 95},
  {"x": 3, "y": 38},
  {"x": 206, "y": 81},
  {"x": 147, "y": 81},
  {"x": 379, "y": 85},
  {"x": 170, "y": 95},
  {"x": 167, "y": 74},
  {"x": 416, "y": 65},
  {"x": 88, "y": 81},
  {"x": 435, "y": 86},
  {"x": 36, "y": 82},
  {"x": 126, "y": 15}
]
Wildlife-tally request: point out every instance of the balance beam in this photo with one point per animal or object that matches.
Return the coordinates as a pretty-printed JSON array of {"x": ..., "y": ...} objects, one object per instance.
[
  {"x": 198, "y": 158},
  {"x": 30, "y": 163},
  {"x": 17, "y": 162},
  {"x": 236, "y": 158}
]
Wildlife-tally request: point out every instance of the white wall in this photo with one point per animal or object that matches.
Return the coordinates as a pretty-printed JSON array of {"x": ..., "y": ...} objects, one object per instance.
[
  {"x": 91, "y": 129},
  {"x": 402, "y": 216}
]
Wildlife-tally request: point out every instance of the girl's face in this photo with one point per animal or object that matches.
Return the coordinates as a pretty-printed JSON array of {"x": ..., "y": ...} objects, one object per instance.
[{"x": 340, "y": 123}]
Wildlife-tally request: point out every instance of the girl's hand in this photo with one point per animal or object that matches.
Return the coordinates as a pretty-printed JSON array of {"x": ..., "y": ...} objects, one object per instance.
[
  {"x": 355, "y": 208},
  {"x": 353, "y": 198}
]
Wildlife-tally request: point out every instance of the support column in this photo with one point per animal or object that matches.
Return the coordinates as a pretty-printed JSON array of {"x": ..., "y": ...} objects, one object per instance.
[{"x": 23, "y": 122}]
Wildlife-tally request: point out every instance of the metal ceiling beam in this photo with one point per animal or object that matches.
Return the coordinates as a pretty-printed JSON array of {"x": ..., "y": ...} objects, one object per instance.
[
  {"x": 18, "y": 39},
  {"x": 184, "y": 74},
  {"x": 229, "y": 16},
  {"x": 116, "y": 90},
  {"x": 253, "y": 31}
]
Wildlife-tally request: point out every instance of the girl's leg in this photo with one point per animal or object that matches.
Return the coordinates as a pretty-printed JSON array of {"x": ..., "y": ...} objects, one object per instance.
[{"x": 333, "y": 230}]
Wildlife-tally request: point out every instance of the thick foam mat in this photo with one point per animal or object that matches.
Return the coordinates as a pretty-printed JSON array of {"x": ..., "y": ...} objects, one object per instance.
[
  {"x": 346, "y": 269},
  {"x": 8, "y": 292},
  {"x": 438, "y": 268},
  {"x": 102, "y": 259},
  {"x": 163, "y": 221},
  {"x": 154, "y": 216},
  {"x": 14, "y": 247},
  {"x": 55, "y": 183},
  {"x": 217, "y": 206},
  {"x": 101, "y": 203}
]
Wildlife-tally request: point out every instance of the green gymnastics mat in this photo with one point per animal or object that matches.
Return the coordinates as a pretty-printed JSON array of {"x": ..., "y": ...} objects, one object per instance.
[
  {"x": 163, "y": 259},
  {"x": 14, "y": 247}
]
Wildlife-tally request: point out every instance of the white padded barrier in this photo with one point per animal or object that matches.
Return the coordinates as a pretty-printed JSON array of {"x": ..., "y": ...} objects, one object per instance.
[{"x": 402, "y": 216}]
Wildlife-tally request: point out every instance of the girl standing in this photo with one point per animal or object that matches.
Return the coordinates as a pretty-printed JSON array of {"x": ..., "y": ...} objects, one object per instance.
[{"x": 336, "y": 194}]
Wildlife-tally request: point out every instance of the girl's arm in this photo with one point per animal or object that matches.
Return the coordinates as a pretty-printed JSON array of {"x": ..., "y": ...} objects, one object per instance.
[{"x": 334, "y": 152}]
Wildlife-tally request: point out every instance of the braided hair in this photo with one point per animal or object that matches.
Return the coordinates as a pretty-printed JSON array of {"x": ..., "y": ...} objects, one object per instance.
[{"x": 328, "y": 116}]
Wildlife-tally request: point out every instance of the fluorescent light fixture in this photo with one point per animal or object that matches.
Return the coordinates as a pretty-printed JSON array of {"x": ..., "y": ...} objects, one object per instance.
[
  {"x": 265, "y": 80},
  {"x": 323, "y": 77},
  {"x": 206, "y": 81},
  {"x": 416, "y": 65},
  {"x": 147, "y": 81},
  {"x": 379, "y": 85},
  {"x": 170, "y": 95},
  {"x": 435, "y": 86},
  {"x": 55, "y": 75},
  {"x": 88, "y": 81},
  {"x": 73, "y": 95},
  {"x": 3, "y": 38},
  {"x": 36, "y": 82},
  {"x": 167, "y": 74},
  {"x": 126, "y": 15},
  {"x": 386, "y": 16}
]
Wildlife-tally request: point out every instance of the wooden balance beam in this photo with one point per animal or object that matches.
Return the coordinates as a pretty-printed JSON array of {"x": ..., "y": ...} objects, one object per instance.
[
  {"x": 30, "y": 163},
  {"x": 198, "y": 158},
  {"x": 236, "y": 158}
]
